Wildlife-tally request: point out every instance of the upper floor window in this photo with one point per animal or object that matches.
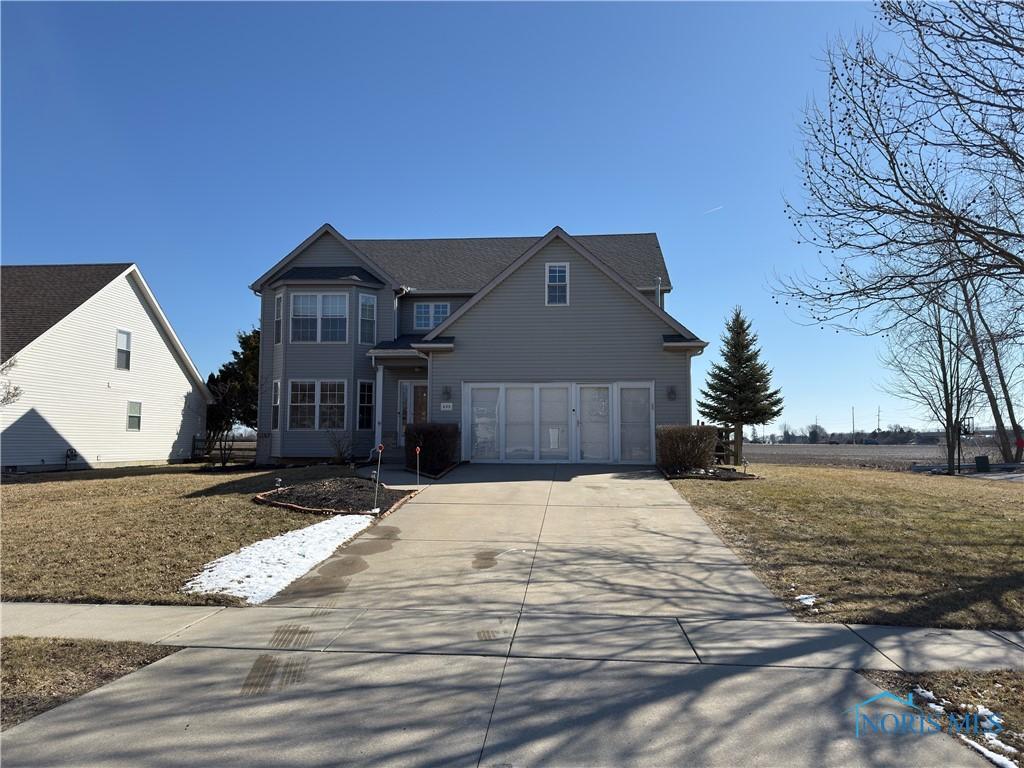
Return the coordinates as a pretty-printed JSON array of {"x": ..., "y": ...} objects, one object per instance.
[
  {"x": 367, "y": 319},
  {"x": 429, "y": 315},
  {"x": 557, "y": 284},
  {"x": 124, "y": 350},
  {"x": 319, "y": 317},
  {"x": 278, "y": 313}
]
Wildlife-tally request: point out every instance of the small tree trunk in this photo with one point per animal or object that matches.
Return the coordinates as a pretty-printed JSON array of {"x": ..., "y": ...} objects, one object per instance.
[{"x": 737, "y": 452}]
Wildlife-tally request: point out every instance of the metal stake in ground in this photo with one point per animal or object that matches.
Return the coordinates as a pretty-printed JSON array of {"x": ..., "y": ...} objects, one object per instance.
[
  {"x": 417, "y": 466},
  {"x": 380, "y": 452}
]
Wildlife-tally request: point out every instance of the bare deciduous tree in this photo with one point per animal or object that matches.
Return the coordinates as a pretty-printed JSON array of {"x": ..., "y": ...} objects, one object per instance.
[{"x": 9, "y": 391}]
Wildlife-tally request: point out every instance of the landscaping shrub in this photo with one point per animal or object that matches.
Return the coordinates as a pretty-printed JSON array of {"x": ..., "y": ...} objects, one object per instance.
[
  {"x": 438, "y": 443},
  {"x": 682, "y": 448}
]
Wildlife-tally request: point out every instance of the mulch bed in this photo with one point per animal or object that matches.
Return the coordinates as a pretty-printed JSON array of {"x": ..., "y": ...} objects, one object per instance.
[
  {"x": 334, "y": 495},
  {"x": 718, "y": 473}
]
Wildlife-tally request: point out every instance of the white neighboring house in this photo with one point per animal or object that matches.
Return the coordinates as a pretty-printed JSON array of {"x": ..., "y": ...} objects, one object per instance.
[{"x": 103, "y": 379}]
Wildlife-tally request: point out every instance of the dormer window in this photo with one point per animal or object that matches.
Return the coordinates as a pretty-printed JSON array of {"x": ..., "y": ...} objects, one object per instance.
[
  {"x": 557, "y": 285},
  {"x": 430, "y": 315}
]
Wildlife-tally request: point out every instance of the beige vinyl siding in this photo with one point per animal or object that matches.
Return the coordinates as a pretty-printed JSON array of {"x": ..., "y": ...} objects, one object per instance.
[
  {"x": 74, "y": 396},
  {"x": 603, "y": 335},
  {"x": 407, "y": 304}
]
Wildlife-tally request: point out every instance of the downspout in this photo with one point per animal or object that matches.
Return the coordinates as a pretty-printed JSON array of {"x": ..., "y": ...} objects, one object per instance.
[
  {"x": 657, "y": 292},
  {"x": 402, "y": 291}
]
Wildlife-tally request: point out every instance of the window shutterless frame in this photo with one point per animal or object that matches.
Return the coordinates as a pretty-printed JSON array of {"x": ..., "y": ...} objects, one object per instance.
[
  {"x": 304, "y": 391},
  {"x": 332, "y": 393},
  {"x": 367, "y": 319},
  {"x": 133, "y": 422},
  {"x": 365, "y": 404},
  {"x": 556, "y": 284},
  {"x": 428, "y": 315},
  {"x": 123, "y": 350},
  {"x": 322, "y": 315},
  {"x": 275, "y": 406},
  {"x": 278, "y": 317}
]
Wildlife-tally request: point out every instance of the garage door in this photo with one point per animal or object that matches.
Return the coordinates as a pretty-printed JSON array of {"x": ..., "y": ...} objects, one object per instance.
[{"x": 593, "y": 422}]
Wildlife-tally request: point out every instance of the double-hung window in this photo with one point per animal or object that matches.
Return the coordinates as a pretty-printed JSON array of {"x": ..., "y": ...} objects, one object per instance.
[
  {"x": 334, "y": 317},
  {"x": 367, "y": 319},
  {"x": 278, "y": 312},
  {"x": 302, "y": 405},
  {"x": 275, "y": 406},
  {"x": 304, "y": 317},
  {"x": 556, "y": 285},
  {"x": 365, "y": 416},
  {"x": 319, "y": 317},
  {"x": 124, "y": 351},
  {"x": 427, "y": 315},
  {"x": 332, "y": 405},
  {"x": 134, "y": 423}
]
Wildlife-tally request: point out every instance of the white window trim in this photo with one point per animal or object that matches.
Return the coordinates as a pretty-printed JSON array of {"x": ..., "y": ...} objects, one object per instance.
[
  {"x": 431, "y": 305},
  {"x": 344, "y": 404},
  {"x": 373, "y": 300},
  {"x": 118, "y": 349},
  {"x": 547, "y": 284},
  {"x": 127, "y": 416},
  {"x": 275, "y": 389},
  {"x": 316, "y": 392},
  {"x": 319, "y": 318},
  {"x": 278, "y": 317},
  {"x": 373, "y": 404}
]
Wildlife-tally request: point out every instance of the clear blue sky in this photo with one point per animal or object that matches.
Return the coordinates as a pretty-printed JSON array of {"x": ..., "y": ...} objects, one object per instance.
[{"x": 205, "y": 141}]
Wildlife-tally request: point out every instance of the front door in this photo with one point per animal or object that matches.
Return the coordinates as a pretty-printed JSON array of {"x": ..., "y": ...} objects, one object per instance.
[
  {"x": 412, "y": 406},
  {"x": 594, "y": 423}
]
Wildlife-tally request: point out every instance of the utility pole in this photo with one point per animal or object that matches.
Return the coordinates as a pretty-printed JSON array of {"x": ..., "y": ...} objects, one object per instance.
[
  {"x": 878, "y": 424},
  {"x": 853, "y": 425}
]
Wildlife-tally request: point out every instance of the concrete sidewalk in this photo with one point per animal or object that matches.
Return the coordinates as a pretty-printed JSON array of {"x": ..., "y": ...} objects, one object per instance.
[{"x": 536, "y": 634}]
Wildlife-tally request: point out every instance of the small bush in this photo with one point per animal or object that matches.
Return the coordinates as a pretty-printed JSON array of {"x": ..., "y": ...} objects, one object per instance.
[
  {"x": 682, "y": 448},
  {"x": 438, "y": 443}
]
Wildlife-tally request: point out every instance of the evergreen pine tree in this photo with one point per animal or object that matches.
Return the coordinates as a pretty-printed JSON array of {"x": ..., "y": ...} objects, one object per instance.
[{"x": 739, "y": 389}]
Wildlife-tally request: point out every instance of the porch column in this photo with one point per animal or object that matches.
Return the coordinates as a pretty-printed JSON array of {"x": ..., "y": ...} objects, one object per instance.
[{"x": 378, "y": 405}]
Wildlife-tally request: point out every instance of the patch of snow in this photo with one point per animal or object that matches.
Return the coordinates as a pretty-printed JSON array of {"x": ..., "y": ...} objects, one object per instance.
[
  {"x": 1002, "y": 762},
  {"x": 936, "y": 708},
  {"x": 807, "y": 600},
  {"x": 261, "y": 570},
  {"x": 993, "y": 741},
  {"x": 924, "y": 694}
]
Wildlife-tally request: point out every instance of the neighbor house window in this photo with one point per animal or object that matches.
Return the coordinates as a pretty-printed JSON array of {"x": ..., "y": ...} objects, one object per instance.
[
  {"x": 275, "y": 406},
  {"x": 334, "y": 317},
  {"x": 124, "y": 350},
  {"x": 304, "y": 317},
  {"x": 302, "y": 405},
  {"x": 365, "y": 420},
  {"x": 278, "y": 312},
  {"x": 429, "y": 315},
  {"x": 557, "y": 284},
  {"x": 332, "y": 405},
  {"x": 134, "y": 416},
  {"x": 367, "y": 319}
]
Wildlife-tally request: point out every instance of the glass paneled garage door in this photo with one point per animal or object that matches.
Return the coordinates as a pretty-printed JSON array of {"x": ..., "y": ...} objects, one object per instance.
[{"x": 559, "y": 422}]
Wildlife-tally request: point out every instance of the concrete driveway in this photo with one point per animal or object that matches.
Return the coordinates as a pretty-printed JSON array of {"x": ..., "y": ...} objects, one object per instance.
[{"x": 507, "y": 615}]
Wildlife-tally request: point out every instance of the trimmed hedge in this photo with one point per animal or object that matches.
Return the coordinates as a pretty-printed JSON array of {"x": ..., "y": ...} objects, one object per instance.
[
  {"x": 438, "y": 443},
  {"x": 682, "y": 448}
]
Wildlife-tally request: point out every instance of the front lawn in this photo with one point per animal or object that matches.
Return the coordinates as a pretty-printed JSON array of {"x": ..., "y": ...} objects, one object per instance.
[
  {"x": 41, "y": 673},
  {"x": 134, "y": 535},
  {"x": 877, "y": 547}
]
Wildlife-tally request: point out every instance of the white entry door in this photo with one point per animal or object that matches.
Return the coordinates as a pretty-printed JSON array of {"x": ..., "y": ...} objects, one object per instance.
[{"x": 594, "y": 423}]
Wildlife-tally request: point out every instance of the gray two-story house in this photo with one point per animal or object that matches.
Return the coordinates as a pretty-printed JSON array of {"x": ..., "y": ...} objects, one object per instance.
[{"x": 548, "y": 349}]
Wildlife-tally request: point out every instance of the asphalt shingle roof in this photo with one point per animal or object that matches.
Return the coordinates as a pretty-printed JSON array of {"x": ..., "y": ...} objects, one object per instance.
[
  {"x": 330, "y": 273},
  {"x": 405, "y": 341},
  {"x": 35, "y": 298},
  {"x": 468, "y": 264}
]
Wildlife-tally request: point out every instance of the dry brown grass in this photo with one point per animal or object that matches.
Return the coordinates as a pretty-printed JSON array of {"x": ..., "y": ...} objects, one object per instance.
[
  {"x": 877, "y": 547},
  {"x": 1001, "y": 691},
  {"x": 42, "y": 673},
  {"x": 134, "y": 535}
]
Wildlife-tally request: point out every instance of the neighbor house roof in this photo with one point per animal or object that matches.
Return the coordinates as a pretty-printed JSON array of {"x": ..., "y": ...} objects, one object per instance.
[
  {"x": 37, "y": 297},
  {"x": 34, "y": 298},
  {"x": 467, "y": 264}
]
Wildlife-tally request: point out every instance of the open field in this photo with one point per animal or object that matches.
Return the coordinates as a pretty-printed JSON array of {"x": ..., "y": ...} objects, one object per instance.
[
  {"x": 877, "y": 547},
  {"x": 878, "y": 456},
  {"x": 134, "y": 535},
  {"x": 41, "y": 673}
]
